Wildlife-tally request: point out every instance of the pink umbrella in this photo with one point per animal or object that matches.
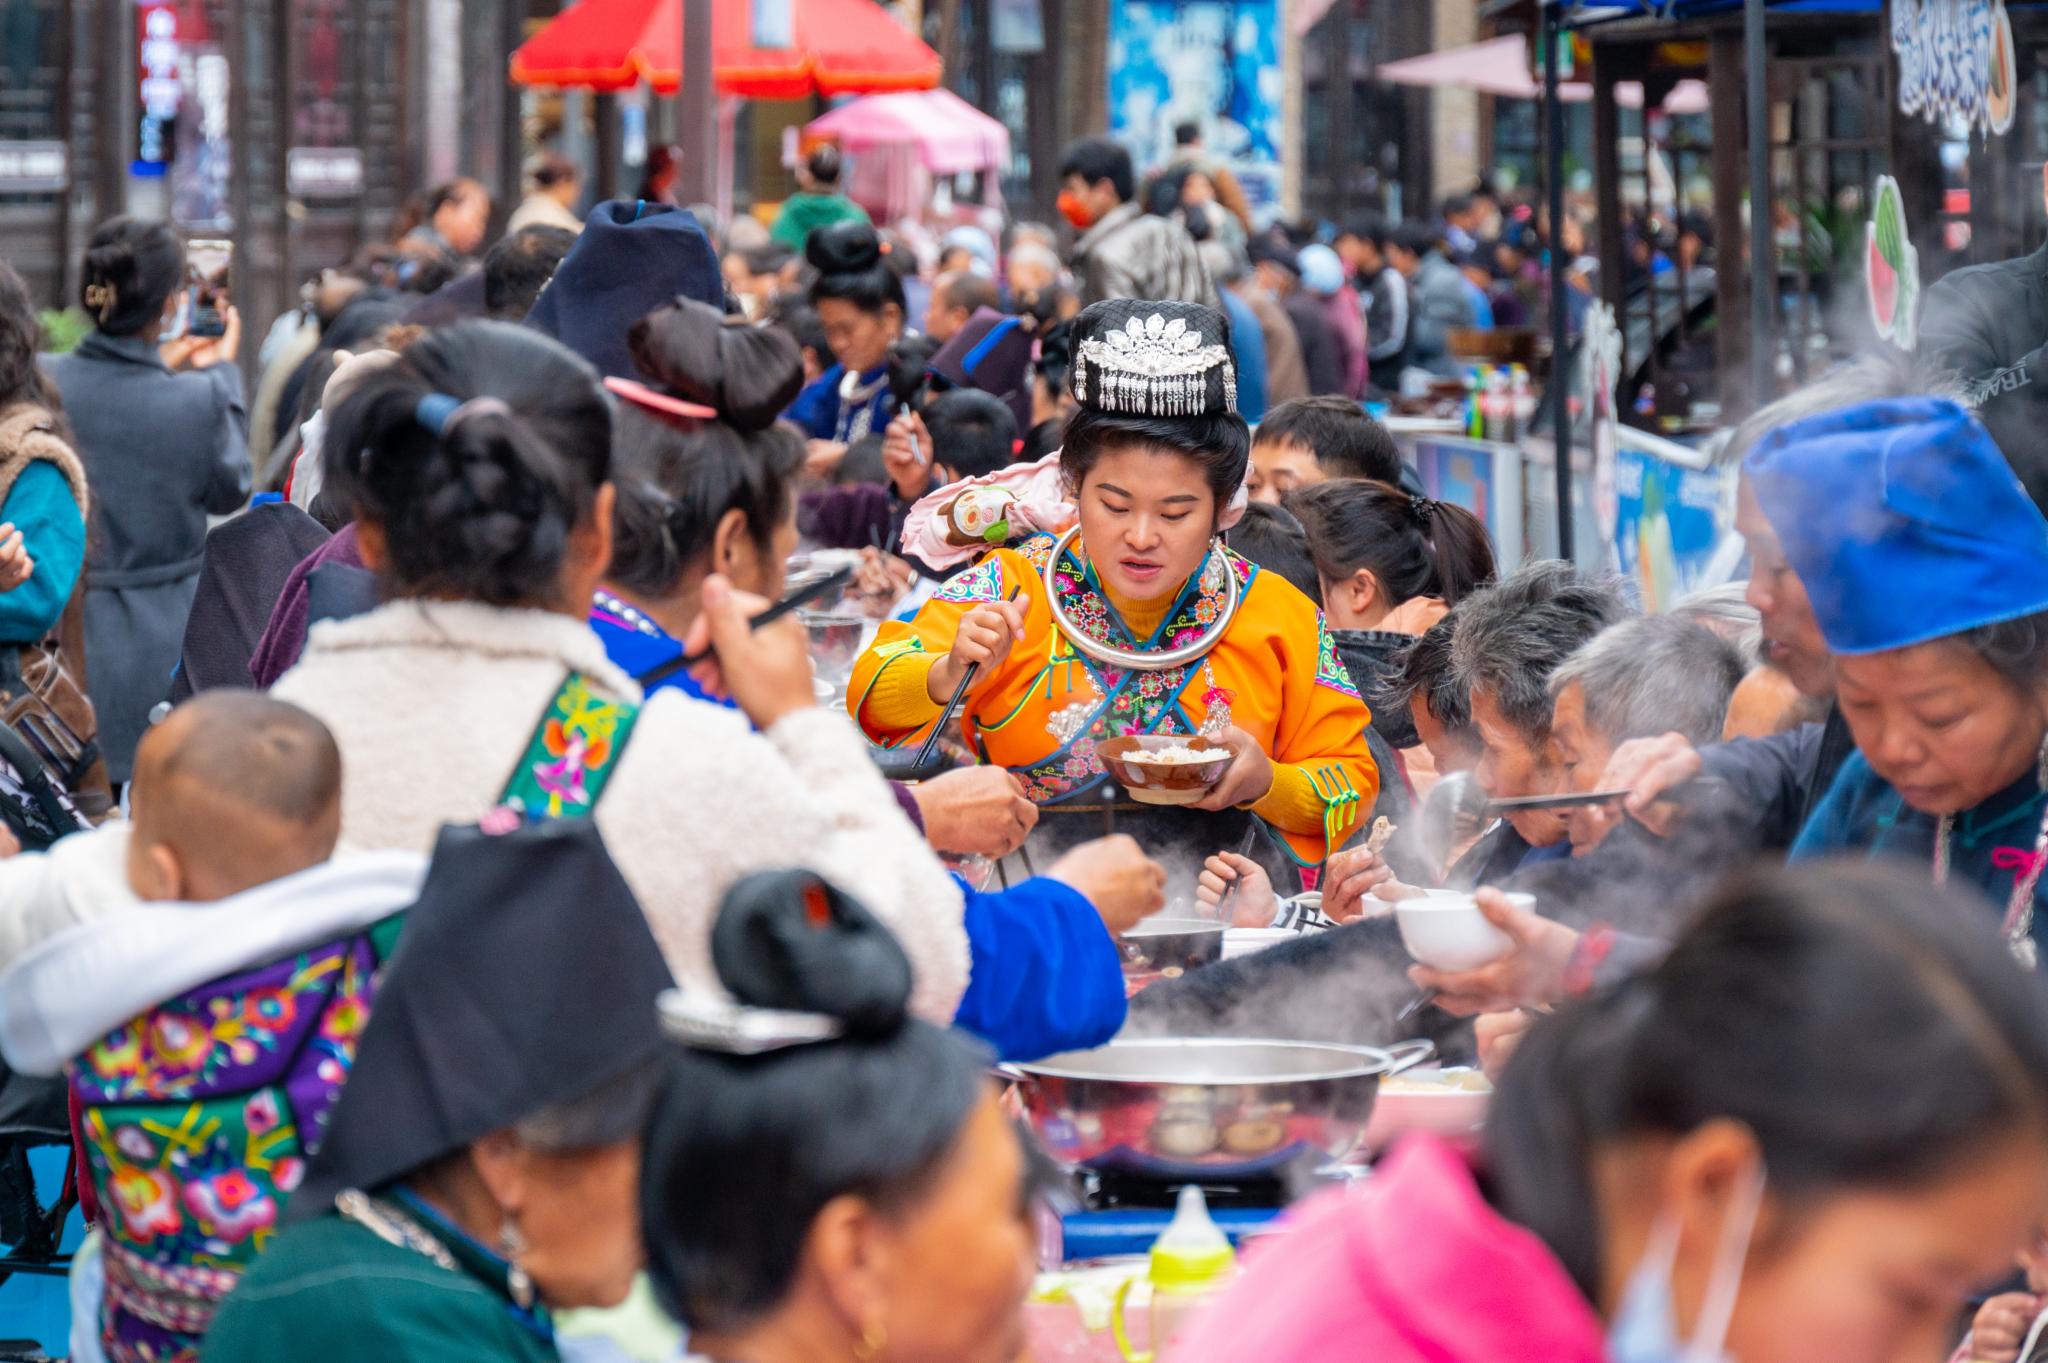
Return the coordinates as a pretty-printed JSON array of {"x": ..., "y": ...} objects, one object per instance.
[{"x": 949, "y": 134}]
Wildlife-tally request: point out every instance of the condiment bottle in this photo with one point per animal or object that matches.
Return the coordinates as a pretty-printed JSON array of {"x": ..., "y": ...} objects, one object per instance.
[{"x": 1190, "y": 1261}]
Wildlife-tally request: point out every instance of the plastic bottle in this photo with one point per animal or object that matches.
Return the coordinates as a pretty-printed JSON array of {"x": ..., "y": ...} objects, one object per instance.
[{"x": 1190, "y": 1261}]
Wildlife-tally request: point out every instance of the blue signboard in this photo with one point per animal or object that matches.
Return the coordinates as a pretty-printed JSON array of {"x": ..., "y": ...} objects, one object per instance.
[{"x": 1211, "y": 62}]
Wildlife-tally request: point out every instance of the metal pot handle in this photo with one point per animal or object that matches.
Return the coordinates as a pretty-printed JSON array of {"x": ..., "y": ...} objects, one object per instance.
[{"x": 1406, "y": 1055}]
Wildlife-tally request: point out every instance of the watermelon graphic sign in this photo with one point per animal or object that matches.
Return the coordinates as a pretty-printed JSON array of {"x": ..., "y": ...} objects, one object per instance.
[{"x": 1891, "y": 267}]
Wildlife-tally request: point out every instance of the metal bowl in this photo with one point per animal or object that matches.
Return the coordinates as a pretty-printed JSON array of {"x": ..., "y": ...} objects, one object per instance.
[
  {"x": 1176, "y": 1108},
  {"x": 1162, "y": 943}
]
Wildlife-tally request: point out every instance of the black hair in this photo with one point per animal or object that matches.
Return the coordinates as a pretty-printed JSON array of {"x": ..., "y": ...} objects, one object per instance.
[
  {"x": 1346, "y": 442},
  {"x": 2017, "y": 648},
  {"x": 1372, "y": 228},
  {"x": 21, "y": 332},
  {"x": 801, "y": 321},
  {"x": 1456, "y": 204},
  {"x": 1869, "y": 1029},
  {"x": 424, "y": 274},
  {"x": 1422, "y": 671},
  {"x": 520, "y": 266},
  {"x": 973, "y": 433},
  {"x": 1273, "y": 538},
  {"x": 734, "y": 1174},
  {"x": 966, "y": 289},
  {"x": 1186, "y": 134},
  {"x": 1412, "y": 545},
  {"x": 132, "y": 267},
  {"x": 553, "y": 168},
  {"x": 1220, "y": 444},
  {"x": 448, "y": 192},
  {"x": 848, "y": 257},
  {"x": 862, "y": 462},
  {"x": 824, "y": 164},
  {"x": 1098, "y": 158},
  {"x": 675, "y": 485},
  {"x": 484, "y": 509},
  {"x": 1415, "y": 238}
]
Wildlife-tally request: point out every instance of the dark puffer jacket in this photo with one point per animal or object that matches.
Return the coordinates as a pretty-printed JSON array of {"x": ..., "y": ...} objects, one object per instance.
[{"x": 1989, "y": 324}]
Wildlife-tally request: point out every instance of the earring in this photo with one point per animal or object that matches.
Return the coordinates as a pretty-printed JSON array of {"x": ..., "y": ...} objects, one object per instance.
[
  {"x": 871, "y": 1341},
  {"x": 511, "y": 1240}
]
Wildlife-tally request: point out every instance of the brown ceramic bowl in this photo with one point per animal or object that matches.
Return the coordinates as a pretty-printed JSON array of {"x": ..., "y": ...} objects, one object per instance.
[{"x": 1163, "y": 783}]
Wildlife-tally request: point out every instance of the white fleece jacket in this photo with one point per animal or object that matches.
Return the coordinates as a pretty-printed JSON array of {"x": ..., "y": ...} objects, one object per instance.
[{"x": 432, "y": 702}]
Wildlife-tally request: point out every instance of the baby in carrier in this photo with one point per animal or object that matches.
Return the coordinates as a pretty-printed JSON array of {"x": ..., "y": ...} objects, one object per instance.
[{"x": 199, "y": 976}]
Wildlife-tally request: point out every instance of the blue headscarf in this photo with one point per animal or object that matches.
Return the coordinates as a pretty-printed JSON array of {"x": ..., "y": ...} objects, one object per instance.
[
  {"x": 633, "y": 257},
  {"x": 1903, "y": 521}
]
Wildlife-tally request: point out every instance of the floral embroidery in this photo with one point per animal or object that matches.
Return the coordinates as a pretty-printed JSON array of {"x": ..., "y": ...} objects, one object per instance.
[
  {"x": 197, "y": 1119},
  {"x": 981, "y": 583},
  {"x": 1330, "y": 669},
  {"x": 570, "y": 756}
]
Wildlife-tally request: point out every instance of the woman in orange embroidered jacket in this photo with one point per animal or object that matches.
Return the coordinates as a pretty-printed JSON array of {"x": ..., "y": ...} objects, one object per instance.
[{"x": 1137, "y": 619}]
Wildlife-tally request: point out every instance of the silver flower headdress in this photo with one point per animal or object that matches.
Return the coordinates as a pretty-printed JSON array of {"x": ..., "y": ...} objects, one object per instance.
[{"x": 1151, "y": 366}]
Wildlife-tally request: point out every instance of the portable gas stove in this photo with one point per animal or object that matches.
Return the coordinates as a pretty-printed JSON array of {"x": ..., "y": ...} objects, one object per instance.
[{"x": 1123, "y": 1214}]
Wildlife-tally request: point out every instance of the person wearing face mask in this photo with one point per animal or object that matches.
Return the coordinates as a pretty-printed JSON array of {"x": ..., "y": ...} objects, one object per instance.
[
  {"x": 1655, "y": 1185},
  {"x": 1123, "y": 251},
  {"x": 1137, "y": 619},
  {"x": 1946, "y": 698}
]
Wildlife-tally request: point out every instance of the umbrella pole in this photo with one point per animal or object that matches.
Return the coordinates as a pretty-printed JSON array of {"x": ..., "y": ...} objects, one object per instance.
[
  {"x": 697, "y": 108},
  {"x": 1552, "y": 29}
]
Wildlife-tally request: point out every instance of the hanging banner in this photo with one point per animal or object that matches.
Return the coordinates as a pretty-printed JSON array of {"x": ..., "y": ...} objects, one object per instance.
[
  {"x": 1600, "y": 371},
  {"x": 1891, "y": 266},
  {"x": 1956, "y": 61},
  {"x": 158, "y": 91},
  {"x": 1214, "y": 63}
]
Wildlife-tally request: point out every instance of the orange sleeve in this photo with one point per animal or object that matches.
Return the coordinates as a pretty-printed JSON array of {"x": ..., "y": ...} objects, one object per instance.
[
  {"x": 1325, "y": 780},
  {"x": 887, "y": 694}
]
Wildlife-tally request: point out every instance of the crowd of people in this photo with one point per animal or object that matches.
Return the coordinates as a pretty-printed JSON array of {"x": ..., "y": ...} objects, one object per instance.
[{"x": 459, "y": 919}]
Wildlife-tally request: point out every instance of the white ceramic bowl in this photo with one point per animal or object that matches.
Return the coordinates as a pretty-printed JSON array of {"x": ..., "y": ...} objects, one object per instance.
[
  {"x": 1443, "y": 929},
  {"x": 1248, "y": 941},
  {"x": 1443, "y": 1102}
]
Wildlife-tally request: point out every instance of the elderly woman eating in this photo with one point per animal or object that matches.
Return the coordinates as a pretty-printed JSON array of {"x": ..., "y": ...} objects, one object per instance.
[
  {"x": 827, "y": 1177},
  {"x": 481, "y": 1165},
  {"x": 1944, "y": 689}
]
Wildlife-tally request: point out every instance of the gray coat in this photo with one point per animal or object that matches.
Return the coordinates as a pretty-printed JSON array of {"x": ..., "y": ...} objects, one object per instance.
[
  {"x": 162, "y": 451},
  {"x": 1441, "y": 304},
  {"x": 1131, "y": 254}
]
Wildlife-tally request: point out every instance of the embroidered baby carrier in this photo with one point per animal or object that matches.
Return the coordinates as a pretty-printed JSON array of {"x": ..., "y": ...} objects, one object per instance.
[
  {"x": 569, "y": 758},
  {"x": 196, "y": 1121}
]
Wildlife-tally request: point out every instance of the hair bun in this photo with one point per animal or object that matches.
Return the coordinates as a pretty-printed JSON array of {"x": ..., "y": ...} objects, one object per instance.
[
  {"x": 793, "y": 941},
  {"x": 748, "y": 374},
  {"x": 844, "y": 248}
]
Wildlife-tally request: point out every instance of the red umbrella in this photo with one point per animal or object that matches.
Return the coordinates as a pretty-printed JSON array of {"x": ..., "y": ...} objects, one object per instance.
[{"x": 842, "y": 47}]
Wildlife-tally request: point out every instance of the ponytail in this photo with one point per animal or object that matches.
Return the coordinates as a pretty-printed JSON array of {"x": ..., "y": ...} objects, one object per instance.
[
  {"x": 1413, "y": 546},
  {"x": 479, "y": 451}
]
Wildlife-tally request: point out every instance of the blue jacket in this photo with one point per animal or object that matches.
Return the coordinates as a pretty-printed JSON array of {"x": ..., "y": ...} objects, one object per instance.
[
  {"x": 1044, "y": 976},
  {"x": 41, "y": 506},
  {"x": 818, "y": 411},
  {"x": 1248, "y": 350},
  {"x": 1862, "y": 813}
]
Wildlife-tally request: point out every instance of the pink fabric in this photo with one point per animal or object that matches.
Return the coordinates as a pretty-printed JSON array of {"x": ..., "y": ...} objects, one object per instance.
[
  {"x": 1412, "y": 1267},
  {"x": 1041, "y": 508}
]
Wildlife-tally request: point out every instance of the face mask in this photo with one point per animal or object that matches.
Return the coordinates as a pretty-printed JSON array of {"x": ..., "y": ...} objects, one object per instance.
[
  {"x": 1074, "y": 211},
  {"x": 1645, "y": 1328}
]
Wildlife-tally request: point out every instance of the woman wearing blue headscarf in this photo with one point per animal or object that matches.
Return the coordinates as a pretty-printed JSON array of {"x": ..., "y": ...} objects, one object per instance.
[{"x": 1927, "y": 567}]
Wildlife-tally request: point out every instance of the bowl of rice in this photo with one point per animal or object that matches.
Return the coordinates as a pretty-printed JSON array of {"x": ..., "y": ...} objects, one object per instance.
[{"x": 1165, "y": 769}]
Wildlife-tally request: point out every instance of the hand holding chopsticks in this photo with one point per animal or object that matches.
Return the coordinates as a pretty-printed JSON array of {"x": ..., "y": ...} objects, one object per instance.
[
  {"x": 985, "y": 636},
  {"x": 740, "y": 646}
]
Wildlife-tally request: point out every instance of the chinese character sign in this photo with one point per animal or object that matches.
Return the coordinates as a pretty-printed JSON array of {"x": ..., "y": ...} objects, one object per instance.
[{"x": 1956, "y": 61}]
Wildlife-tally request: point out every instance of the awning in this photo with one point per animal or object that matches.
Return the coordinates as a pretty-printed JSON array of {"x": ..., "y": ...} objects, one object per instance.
[
  {"x": 948, "y": 134},
  {"x": 842, "y": 47},
  {"x": 1500, "y": 67}
]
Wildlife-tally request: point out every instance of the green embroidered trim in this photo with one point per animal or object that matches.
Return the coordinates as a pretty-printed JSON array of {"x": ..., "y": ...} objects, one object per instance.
[{"x": 571, "y": 755}]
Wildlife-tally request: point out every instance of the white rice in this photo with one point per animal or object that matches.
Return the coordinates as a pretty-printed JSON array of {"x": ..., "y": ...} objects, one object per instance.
[{"x": 1179, "y": 754}]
